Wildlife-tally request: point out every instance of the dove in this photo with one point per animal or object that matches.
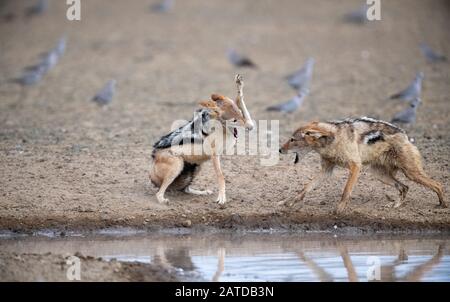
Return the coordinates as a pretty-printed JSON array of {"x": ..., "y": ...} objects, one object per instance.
[
  {"x": 300, "y": 79},
  {"x": 105, "y": 96},
  {"x": 32, "y": 75},
  {"x": 407, "y": 116},
  {"x": 358, "y": 16},
  {"x": 291, "y": 105},
  {"x": 412, "y": 91},
  {"x": 164, "y": 6},
  {"x": 61, "y": 46},
  {"x": 38, "y": 8},
  {"x": 239, "y": 60},
  {"x": 49, "y": 60},
  {"x": 430, "y": 55}
]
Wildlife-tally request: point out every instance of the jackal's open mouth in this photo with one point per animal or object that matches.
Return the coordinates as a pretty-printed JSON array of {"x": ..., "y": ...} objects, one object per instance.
[
  {"x": 296, "y": 159},
  {"x": 235, "y": 132}
]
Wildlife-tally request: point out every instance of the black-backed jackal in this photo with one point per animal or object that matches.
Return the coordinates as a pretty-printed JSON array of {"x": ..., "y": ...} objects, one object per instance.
[
  {"x": 175, "y": 163},
  {"x": 352, "y": 143}
]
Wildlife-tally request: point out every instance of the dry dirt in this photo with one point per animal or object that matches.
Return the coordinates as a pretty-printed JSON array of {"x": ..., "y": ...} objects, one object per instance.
[{"x": 65, "y": 163}]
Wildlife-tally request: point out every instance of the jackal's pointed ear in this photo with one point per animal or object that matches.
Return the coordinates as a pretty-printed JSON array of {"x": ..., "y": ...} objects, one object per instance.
[
  {"x": 218, "y": 98},
  {"x": 315, "y": 133},
  {"x": 208, "y": 104},
  {"x": 320, "y": 136}
]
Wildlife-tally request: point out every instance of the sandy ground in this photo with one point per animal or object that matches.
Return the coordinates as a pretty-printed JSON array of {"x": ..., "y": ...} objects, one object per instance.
[
  {"x": 53, "y": 268},
  {"x": 66, "y": 163}
]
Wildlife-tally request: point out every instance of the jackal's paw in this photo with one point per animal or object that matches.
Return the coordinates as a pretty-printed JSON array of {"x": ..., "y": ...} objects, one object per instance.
[
  {"x": 162, "y": 200},
  {"x": 443, "y": 205},
  {"x": 282, "y": 203},
  {"x": 340, "y": 209},
  {"x": 189, "y": 190},
  {"x": 397, "y": 205},
  {"x": 388, "y": 205},
  {"x": 221, "y": 199},
  {"x": 301, "y": 196},
  {"x": 239, "y": 79}
]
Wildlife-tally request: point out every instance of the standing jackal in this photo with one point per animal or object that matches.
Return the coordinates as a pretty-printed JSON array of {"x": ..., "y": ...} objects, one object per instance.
[
  {"x": 351, "y": 143},
  {"x": 175, "y": 161}
]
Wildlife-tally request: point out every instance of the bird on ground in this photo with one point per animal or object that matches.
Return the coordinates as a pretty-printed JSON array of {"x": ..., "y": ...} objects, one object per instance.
[
  {"x": 49, "y": 60},
  {"x": 164, "y": 6},
  {"x": 412, "y": 91},
  {"x": 301, "y": 79},
  {"x": 407, "y": 116},
  {"x": 358, "y": 16},
  {"x": 105, "y": 95},
  {"x": 431, "y": 55},
  {"x": 239, "y": 60},
  {"x": 33, "y": 74},
  {"x": 291, "y": 105},
  {"x": 61, "y": 46},
  {"x": 40, "y": 7}
]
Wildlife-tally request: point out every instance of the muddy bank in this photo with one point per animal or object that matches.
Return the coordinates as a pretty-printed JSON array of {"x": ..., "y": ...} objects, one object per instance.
[
  {"x": 53, "y": 268},
  {"x": 353, "y": 223}
]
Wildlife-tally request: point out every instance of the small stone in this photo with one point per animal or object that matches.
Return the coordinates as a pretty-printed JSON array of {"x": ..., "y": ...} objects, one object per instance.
[{"x": 187, "y": 223}]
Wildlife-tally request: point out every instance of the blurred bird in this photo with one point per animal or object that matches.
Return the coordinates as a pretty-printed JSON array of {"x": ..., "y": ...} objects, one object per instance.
[
  {"x": 291, "y": 105},
  {"x": 38, "y": 8},
  {"x": 164, "y": 6},
  {"x": 407, "y": 116},
  {"x": 49, "y": 60},
  {"x": 430, "y": 55},
  {"x": 358, "y": 16},
  {"x": 105, "y": 96},
  {"x": 300, "y": 79},
  {"x": 239, "y": 60},
  {"x": 61, "y": 46},
  {"x": 32, "y": 75},
  {"x": 412, "y": 91}
]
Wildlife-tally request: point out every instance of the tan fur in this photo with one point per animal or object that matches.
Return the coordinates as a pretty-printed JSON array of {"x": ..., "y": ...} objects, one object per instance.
[
  {"x": 168, "y": 163},
  {"x": 342, "y": 144}
]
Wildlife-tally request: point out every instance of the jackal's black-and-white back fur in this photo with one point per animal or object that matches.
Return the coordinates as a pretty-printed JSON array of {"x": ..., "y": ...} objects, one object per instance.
[{"x": 192, "y": 132}]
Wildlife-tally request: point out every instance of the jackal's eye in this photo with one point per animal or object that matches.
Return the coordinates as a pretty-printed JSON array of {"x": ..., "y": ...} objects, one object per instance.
[{"x": 291, "y": 140}]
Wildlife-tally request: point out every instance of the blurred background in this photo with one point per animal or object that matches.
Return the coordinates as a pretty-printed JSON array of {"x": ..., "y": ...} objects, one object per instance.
[{"x": 165, "y": 56}]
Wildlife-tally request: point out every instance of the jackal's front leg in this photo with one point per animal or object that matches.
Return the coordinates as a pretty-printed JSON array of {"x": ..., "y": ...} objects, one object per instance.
[
  {"x": 241, "y": 104},
  {"x": 221, "y": 198},
  {"x": 326, "y": 171},
  {"x": 354, "y": 174}
]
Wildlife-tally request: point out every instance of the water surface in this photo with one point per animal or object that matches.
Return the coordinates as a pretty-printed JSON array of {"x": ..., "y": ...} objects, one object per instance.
[{"x": 259, "y": 257}]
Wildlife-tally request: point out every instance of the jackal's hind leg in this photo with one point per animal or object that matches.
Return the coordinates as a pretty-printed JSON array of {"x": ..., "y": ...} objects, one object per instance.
[
  {"x": 388, "y": 178},
  {"x": 168, "y": 170}
]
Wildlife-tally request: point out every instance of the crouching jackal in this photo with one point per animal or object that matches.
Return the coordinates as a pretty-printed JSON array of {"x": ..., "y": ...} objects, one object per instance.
[
  {"x": 352, "y": 143},
  {"x": 174, "y": 164}
]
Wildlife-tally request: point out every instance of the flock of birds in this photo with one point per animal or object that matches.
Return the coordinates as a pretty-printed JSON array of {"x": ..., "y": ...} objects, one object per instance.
[{"x": 300, "y": 80}]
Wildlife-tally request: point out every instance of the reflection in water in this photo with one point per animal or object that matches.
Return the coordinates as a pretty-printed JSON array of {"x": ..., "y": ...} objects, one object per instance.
[
  {"x": 348, "y": 264},
  {"x": 261, "y": 257}
]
